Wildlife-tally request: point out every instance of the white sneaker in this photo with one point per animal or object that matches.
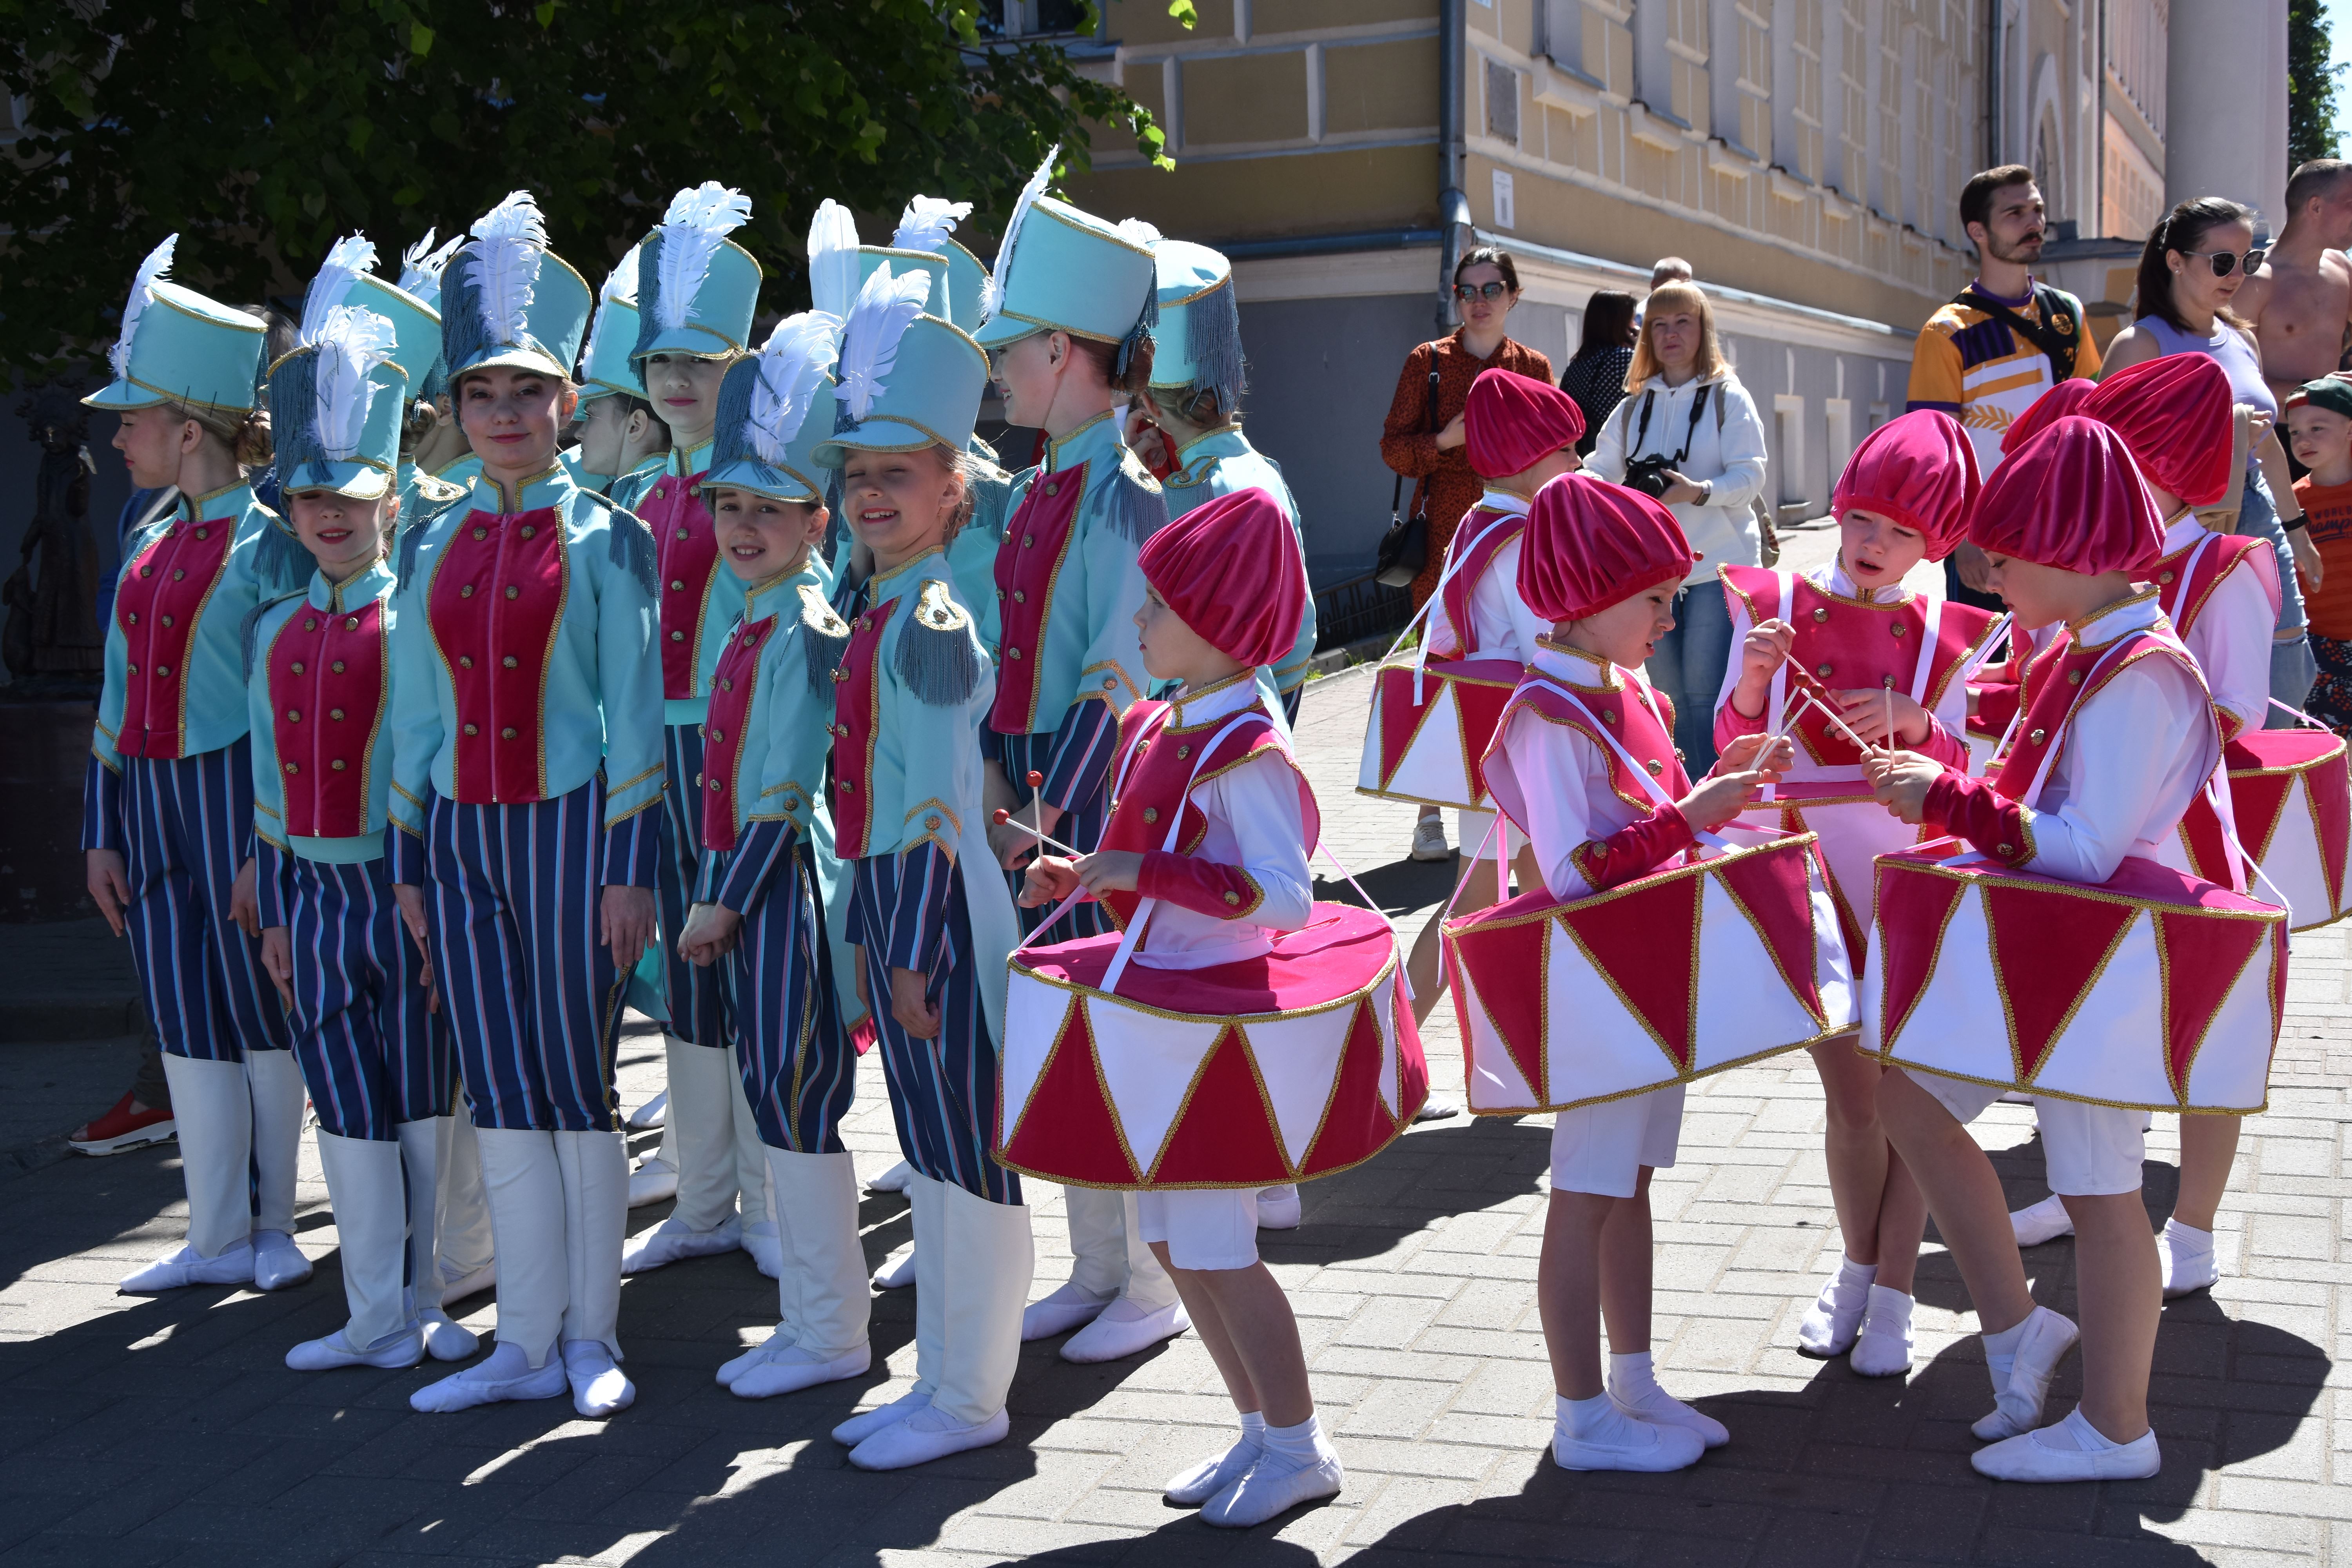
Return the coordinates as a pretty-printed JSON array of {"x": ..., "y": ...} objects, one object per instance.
[
  {"x": 1883, "y": 1348},
  {"x": 1193, "y": 1487},
  {"x": 278, "y": 1263},
  {"x": 1058, "y": 1313},
  {"x": 180, "y": 1270},
  {"x": 1122, "y": 1328},
  {"x": 457, "y": 1287},
  {"x": 2019, "y": 1394},
  {"x": 1429, "y": 840},
  {"x": 2045, "y": 1221},
  {"x": 400, "y": 1348},
  {"x": 505, "y": 1374},
  {"x": 1265, "y": 1492},
  {"x": 599, "y": 1386},
  {"x": 897, "y": 1273},
  {"x": 791, "y": 1369},
  {"x": 651, "y": 1115},
  {"x": 928, "y": 1433},
  {"x": 654, "y": 1181},
  {"x": 444, "y": 1338},
  {"x": 864, "y": 1424},
  {"x": 1277, "y": 1208},
  {"x": 2071, "y": 1450},
  {"x": 2189, "y": 1259},
  {"x": 674, "y": 1241}
]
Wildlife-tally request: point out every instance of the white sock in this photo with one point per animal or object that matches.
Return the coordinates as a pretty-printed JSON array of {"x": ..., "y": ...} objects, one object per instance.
[
  {"x": 1288, "y": 1448},
  {"x": 2187, "y": 1240},
  {"x": 1599, "y": 1419},
  {"x": 1632, "y": 1376}
]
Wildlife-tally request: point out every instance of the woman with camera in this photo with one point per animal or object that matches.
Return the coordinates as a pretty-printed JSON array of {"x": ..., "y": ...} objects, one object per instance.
[
  {"x": 1688, "y": 434},
  {"x": 1423, "y": 438}
]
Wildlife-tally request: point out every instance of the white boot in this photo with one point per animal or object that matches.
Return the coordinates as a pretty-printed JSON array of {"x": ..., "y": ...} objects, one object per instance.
[
  {"x": 524, "y": 1182},
  {"x": 1147, "y": 1312},
  {"x": 214, "y": 1108},
  {"x": 2020, "y": 1360},
  {"x": 364, "y": 1184},
  {"x": 653, "y": 1113},
  {"x": 278, "y": 1102},
  {"x": 703, "y": 1089},
  {"x": 991, "y": 1258},
  {"x": 469, "y": 1259},
  {"x": 827, "y": 1267},
  {"x": 1098, "y": 1261},
  {"x": 654, "y": 1181},
  {"x": 2187, "y": 1253},
  {"x": 424, "y": 1150},
  {"x": 595, "y": 1167},
  {"x": 927, "y": 1199},
  {"x": 787, "y": 1331},
  {"x": 755, "y": 1190}
]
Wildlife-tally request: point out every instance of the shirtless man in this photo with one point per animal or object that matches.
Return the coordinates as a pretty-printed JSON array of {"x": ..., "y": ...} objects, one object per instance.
[{"x": 2300, "y": 301}]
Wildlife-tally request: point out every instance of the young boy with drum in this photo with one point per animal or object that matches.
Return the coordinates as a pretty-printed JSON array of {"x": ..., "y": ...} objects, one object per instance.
[
  {"x": 1601, "y": 565},
  {"x": 1896, "y": 661},
  {"x": 1224, "y": 590},
  {"x": 2119, "y": 726}
]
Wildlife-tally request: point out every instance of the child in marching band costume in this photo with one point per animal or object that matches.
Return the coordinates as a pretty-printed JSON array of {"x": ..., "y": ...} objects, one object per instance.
[
  {"x": 1890, "y": 657},
  {"x": 1226, "y": 581},
  {"x": 1600, "y": 563},
  {"x": 769, "y": 876},
  {"x": 930, "y": 915},
  {"x": 2221, "y": 591},
  {"x": 622, "y": 446},
  {"x": 2069, "y": 528},
  {"x": 696, "y": 292},
  {"x": 1070, "y": 311},
  {"x": 1519, "y": 433},
  {"x": 527, "y": 780},
  {"x": 167, "y": 807},
  {"x": 376, "y": 1060}
]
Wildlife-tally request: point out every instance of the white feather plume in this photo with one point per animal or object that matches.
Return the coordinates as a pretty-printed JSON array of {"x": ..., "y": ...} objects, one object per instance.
[
  {"x": 1140, "y": 232},
  {"x": 869, "y": 339},
  {"x": 690, "y": 232},
  {"x": 620, "y": 287},
  {"x": 833, "y": 259},
  {"x": 503, "y": 264},
  {"x": 792, "y": 364},
  {"x": 351, "y": 342},
  {"x": 346, "y": 259},
  {"x": 927, "y": 223},
  {"x": 992, "y": 298},
  {"x": 420, "y": 265},
  {"x": 154, "y": 270}
]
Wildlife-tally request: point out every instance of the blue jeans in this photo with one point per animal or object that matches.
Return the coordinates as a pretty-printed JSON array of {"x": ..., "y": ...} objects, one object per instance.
[
  {"x": 2293, "y": 668},
  {"x": 1688, "y": 668}
]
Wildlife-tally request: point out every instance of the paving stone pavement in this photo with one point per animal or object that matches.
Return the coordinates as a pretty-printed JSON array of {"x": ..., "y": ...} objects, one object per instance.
[{"x": 152, "y": 1431}]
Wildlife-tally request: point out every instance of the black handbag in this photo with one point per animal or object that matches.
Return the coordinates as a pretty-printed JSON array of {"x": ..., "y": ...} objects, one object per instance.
[{"x": 1404, "y": 548}]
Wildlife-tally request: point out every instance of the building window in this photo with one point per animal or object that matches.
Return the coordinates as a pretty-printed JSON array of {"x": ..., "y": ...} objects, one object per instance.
[
  {"x": 1030, "y": 18},
  {"x": 1853, "y": 94},
  {"x": 1801, "y": 152}
]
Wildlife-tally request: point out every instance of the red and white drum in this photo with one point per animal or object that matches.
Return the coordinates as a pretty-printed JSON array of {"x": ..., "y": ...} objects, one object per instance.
[
  {"x": 1284, "y": 1067},
  {"x": 1431, "y": 750},
  {"x": 2291, "y": 792},
  {"x": 2151, "y": 990},
  {"x": 1664, "y": 979}
]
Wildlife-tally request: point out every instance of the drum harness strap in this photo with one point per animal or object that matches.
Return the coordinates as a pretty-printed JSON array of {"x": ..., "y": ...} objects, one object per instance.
[{"x": 1454, "y": 559}]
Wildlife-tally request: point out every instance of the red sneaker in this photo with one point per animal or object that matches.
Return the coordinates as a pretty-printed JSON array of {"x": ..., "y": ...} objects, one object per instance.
[{"x": 123, "y": 1128}]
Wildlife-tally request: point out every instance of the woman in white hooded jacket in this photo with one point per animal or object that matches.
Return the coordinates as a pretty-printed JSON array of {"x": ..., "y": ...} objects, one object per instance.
[{"x": 1686, "y": 412}]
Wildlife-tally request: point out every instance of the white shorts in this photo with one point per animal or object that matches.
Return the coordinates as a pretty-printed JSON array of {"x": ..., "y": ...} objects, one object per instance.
[
  {"x": 2092, "y": 1151},
  {"x": 1470, "y": 832},
  {"x": 1204, "y": 1228},
  {"x": 1601, "y": 1149}
]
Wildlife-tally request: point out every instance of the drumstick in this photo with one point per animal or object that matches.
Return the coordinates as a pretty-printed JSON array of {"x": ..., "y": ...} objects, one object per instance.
[
  {"x": 1888, "y": 692},
  {"x": 1814, "y": 692},
  {"x": 1006, "y": 819}
]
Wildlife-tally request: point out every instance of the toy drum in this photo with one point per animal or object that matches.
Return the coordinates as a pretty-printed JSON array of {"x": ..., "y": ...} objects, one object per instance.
[
  {"x": 2151, "y": 990},
  {"x": 1659, "y": 981},
  {"x": 1284, "y": 1067},
  {"x": 2291, "y": 792},
  {"x": 1431, "y": 751}
]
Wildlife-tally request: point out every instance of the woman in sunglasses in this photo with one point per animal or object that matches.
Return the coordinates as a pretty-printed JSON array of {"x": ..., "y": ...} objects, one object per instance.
[
  {"x": 2197, "y": 259},
  {"x": 1423, "y": 438}
]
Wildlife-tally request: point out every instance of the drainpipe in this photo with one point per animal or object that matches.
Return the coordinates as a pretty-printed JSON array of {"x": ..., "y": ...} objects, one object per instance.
[
  {"x": 1992, "y": 84},
  {"x": 1453, "y": 206}
]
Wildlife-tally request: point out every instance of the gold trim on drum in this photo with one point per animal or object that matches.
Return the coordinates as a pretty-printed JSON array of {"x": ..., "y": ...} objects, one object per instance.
[
  {"x": 2039, "y": 1089},
  {"x": 1770, "y": 1052},
  {"x": 1018, "y": 965},
  {"x": 2096, "y": 895},
  {"x": 1652, "y": 879}
]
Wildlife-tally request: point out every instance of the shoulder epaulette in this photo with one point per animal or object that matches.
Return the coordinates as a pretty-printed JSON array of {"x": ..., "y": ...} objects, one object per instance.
[
  {"x": 632, "y": 544},
  {"x": 435, "y": 493},
  {"x": 826, "y": 634},
  {"x": 1134, "y": 504},
  {"x": 937, "y": 657}
]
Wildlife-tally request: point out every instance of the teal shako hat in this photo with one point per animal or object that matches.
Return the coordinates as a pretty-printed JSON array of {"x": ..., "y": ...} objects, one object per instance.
[
  {"x": 906, "y": 380},
  {"x": 421, "y": 267},
  {"x": 605, "y": 364},
  {"x": 347, "y": 277},
  {"x": 1058, "y": 268},
  {"x": 1198, "y": 344},
  {"x": 507, "y": 300},
  {"x": 335, "y": 403},
  {"x": 697, "y": 289},
  {"x": 775, "y": 408},
  {"x": 927, "y": 229},
  {"x": 177, "y": 346}
]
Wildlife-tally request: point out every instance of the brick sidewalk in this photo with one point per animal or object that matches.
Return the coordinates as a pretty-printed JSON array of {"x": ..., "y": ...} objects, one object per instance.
[{"x": 168, "y": 1431}]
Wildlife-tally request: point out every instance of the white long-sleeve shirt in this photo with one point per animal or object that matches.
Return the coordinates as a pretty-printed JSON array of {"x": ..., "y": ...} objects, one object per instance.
[
  {"x": 1733, "y": 456},
  {"x": 1501, "y": 624},
  {"x": 1254, "y": 822},
  {"x": 2232, "y": 635},
  {"x": 1553, "y": 781}
]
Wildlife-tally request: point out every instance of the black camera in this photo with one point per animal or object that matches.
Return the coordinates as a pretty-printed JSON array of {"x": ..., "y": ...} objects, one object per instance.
[{"x": 1648, "y": 475}]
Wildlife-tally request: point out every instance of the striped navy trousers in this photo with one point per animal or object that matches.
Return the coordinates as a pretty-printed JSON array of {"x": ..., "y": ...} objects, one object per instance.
[
  {"x": 372, "y": 1053},
  {"x": 512, "y": 895},
  {"x": 800, "y": 1071},
  {"x": 908, "y": 913},
  {"x": 697, "y": 997},
  {"x": 1081, "y": 827},
  {"x": 186, "y": 826}
]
